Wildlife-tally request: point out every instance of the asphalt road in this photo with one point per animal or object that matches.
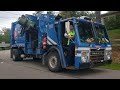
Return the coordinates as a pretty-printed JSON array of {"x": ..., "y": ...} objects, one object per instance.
[{"x": 29, "y": 69}]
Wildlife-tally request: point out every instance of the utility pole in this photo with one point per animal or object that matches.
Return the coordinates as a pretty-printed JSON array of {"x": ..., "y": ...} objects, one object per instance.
[{"x": 98, "y": 16}]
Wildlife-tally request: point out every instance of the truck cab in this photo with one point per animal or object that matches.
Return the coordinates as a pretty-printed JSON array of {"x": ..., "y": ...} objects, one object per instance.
[{"x": 92, "y": 46}]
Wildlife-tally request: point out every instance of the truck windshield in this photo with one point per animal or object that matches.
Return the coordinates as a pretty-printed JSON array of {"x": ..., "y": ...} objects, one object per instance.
[
  {"x": 85, "y": 30},
  {"x": 101, "y": 34}
]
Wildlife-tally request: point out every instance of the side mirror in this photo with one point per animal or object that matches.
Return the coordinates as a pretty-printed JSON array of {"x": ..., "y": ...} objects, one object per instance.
[{"x": 67, "y": 26}]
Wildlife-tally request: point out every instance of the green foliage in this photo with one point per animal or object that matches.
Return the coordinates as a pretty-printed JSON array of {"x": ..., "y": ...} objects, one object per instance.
[
  {"x": 37, "y": 13},
  {"x": 0, "y": 37},
  {"x": 68, "y": 14},
  {"x": 111, "y": 66},
  {"x": 117, "y": 21},
  {"x": 51, "y": 12},
  {"x": 114, "y": 34},
  {"x": 113, "y": 22},
  {"x": 6, "y": 37},
  {"x": 40, "y": 12}
]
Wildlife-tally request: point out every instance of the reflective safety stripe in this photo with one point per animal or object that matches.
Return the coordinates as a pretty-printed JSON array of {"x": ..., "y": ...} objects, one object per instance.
[
  {"x": 49, "y": 43},
  {"x": 53, "y": 42},
  {"x": 72, "y": 33}
]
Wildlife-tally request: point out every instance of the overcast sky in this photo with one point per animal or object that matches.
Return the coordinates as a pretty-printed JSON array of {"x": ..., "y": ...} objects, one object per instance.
[{"x": 7, "y": 17}]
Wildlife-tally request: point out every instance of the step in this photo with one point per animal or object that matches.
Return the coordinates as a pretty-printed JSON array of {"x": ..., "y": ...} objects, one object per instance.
[{"x": 70, "y": 67}]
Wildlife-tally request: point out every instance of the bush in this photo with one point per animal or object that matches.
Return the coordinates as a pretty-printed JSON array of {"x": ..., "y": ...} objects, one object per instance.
[
  {"x": 113, "y": 22},
  {"x": 6, "y": 37}
]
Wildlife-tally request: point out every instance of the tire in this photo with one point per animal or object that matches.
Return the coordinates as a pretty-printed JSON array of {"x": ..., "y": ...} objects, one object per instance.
[
  {"x": 16, "y": 55},
  {"x": 11, "y": 53},
  {"x": 53, "y": 62}
]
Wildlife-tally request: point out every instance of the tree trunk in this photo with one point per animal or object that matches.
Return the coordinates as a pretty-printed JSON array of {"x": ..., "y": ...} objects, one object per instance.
[{"x": 98, "y": 16}]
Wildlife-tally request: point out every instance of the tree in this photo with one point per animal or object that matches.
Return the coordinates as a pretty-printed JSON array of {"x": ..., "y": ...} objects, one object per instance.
[
  {"x": 40, "y": 12},
  {"x": 37, "y": 13},
  {"x": 6, "y": 36},
  {"x": 113, "y": 22},
  {"x": 68, "y": 14},
  {"x": 50, "y": 12},
  {"x": 0, "y": 38}
]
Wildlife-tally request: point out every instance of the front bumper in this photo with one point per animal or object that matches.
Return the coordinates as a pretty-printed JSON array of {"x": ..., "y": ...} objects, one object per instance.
[{"x": 94, "y": 64}]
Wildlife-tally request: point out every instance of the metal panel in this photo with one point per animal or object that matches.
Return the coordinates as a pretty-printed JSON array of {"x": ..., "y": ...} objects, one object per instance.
[{"x": 51, "y": 33}]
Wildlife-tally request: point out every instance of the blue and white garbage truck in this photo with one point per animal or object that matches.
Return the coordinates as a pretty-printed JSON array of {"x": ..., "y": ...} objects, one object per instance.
[{"x": 41, "y": 37}]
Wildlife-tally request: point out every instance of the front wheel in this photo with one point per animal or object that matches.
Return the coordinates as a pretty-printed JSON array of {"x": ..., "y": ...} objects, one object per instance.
[{"x": 54, "y": 63}]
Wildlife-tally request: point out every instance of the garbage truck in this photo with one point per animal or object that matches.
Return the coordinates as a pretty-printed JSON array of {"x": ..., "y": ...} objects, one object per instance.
[{"x": 43, "y": 38}]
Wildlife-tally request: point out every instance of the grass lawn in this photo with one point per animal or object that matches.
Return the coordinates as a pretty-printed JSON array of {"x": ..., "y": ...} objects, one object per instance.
[
  {"x": 5, "y": 49},
  {"x": 114, "y": 34},
  {"x": 0, "y": 49},
  {"x": 111, "y": 66}
]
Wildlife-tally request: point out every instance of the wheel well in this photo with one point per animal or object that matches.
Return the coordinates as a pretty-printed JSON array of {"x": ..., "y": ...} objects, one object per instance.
[
  {"x": 21, "y": 50},
  {"x": 54, "y": 49}
]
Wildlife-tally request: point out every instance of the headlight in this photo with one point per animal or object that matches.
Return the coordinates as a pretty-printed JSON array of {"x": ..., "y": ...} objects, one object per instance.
[
  {"x": 108, "y": 55},
  {"x": 84, "y": 56},
  {"x": 84, "y": 59}
]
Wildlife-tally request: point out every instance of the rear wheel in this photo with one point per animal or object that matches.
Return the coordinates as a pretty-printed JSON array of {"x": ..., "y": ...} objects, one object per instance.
[
  {"x": 54, "y": 63},
  {"x": 11, "y": 53},
  {"x": 16, "y": 55}
]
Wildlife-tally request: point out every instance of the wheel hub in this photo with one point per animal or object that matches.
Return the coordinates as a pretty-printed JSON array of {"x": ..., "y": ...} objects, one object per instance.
[
  {"x": 53, "y": 62},
  {"x": 14, "y": 57}
]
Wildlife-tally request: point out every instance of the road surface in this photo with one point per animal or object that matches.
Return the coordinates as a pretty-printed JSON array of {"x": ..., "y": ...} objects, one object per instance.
[{"x": 29, "y": 69}]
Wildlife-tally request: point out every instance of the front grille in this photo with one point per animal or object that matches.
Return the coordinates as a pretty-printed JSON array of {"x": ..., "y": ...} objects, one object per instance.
[{"x": 97, "y": 55}]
